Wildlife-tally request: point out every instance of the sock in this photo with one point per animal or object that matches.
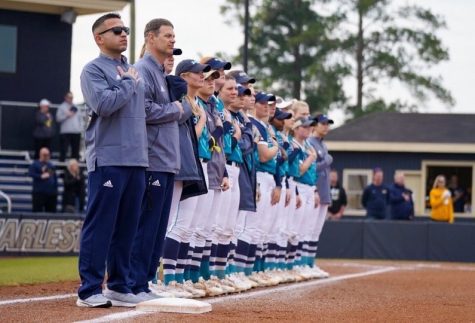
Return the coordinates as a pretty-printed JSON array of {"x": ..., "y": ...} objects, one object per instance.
[
  {"x": 222, "y": 252},
  {"x": 196, "y": 264},
  {"x": 204, "y": 267},
  {"x": 240, "y": 258},
  {"x": 181, "y": 262},
  {"x": 251, "y": 259},
  {"x": 170, "y": 255},
  {"x": 212, "y": 260}
]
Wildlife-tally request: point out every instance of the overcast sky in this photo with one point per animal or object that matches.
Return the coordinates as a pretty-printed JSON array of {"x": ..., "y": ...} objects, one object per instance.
[{"x": 201, "y": 30}]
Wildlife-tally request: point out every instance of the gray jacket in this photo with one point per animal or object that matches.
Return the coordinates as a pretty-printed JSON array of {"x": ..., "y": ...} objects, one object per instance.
[
  {"x": 72, "y": 124},
  {"x": 324, "y": 161},
  {"x": 116, "y": 134},
  {"x": 162, "y": 118}
]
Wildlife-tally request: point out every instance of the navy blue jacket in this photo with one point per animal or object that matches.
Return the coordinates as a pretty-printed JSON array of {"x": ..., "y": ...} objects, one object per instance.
[
  {"x": 191, "y": 171},
  {"x": 46, "y": 186},
  {"x": 375, "y": 200},
  {"x": 400, "y": 208},
  {"x": 247, "y": 170}
]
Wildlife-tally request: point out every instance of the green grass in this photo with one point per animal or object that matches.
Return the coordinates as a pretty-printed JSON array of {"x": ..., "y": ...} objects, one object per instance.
[{"x": 34, "y": 270}]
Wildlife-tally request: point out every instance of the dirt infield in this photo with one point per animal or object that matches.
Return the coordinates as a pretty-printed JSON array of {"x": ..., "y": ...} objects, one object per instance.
[{"x": 358, "y": 291}]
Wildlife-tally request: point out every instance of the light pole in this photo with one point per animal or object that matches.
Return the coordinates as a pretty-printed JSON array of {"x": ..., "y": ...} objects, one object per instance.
[{"x": 245, "y": 55}]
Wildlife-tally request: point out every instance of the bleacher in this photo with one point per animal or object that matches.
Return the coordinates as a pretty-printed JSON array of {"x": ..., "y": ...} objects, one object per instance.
[{"x": 17, "y": 185}]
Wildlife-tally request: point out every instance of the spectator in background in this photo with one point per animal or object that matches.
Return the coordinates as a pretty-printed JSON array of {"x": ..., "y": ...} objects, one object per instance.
[
  {"x": 441, "y": 201},
  {"x": 71, "y": 127},
  {"x": 74, "y": 188},
  {"x": 45, "y": 184},
  {"x": 400, "y": 199},
  {"x": 43, "y": 131},
  {"x": 338, "y": 196},
  {"x": 458, "y": 194},
  {"x": 376, "y": 197}
]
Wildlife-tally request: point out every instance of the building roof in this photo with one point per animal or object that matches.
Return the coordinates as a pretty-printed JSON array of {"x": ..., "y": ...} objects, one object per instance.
[
  {"x": 417, "y": 132},
  {"x": 81, "y": 7},
  {"x": 408, "y": 127}
]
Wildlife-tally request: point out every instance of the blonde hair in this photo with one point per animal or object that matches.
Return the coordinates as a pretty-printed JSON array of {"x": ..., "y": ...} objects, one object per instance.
[
  {"x": 437, "y": 180},
  {"x": 299, "y": 104},
  {"x": 142, "y": 51}
]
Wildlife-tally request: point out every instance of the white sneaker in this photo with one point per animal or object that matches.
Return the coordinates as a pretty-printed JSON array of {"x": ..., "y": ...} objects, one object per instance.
[
  {"x": 246, "y": 279},
  {"x": 240, "y": 282},
  {"x": 159, "y": 289},
  {"x": 177, "y": 290},
  {"x": 195, "y": 292},
  {"x": 122, "y": 299},
  {"x": 210, "y": 288},
  {"x": 320, "y": 272},
  {"x": 226, "y": 289},
  {"x": 96, "y": 301}
]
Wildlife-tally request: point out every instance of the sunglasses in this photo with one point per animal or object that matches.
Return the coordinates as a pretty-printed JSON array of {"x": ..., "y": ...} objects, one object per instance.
[{"x": 117, "y": 30}]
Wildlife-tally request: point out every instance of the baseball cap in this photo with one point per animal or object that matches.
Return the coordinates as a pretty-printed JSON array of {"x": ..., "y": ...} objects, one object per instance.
[
  {"x": 216, "y": 63},
  {"x": 263, "y": 97},
  {"x": 241, "y": 77},
  {"x": 177, "y": 51},
  {"x": 281, "y": 115},
  {"x": 303, "y": 122},
  {"x": 243, "y": 90},
  {"x": 190, "y": 65},
  {"x": 323, "y": 118},
  {"x": 212, "y": 72},
  {"x": 282, "y": 104},
  {"x": 45, "y": 102}
]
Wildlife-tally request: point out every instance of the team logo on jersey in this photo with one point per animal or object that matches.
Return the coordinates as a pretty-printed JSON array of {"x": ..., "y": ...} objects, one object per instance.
[
  {"x": 156, "y": 183},
  {"x": 108, "y": 184}
]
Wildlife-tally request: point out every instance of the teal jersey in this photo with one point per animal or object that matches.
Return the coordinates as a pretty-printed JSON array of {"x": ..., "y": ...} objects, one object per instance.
[
  {"x": 203, "y": 141},
  {"x": 282, "y": 161},
  {"x": 227, "y": 135},
  {"x": 235, "y": 154},
  {"x": 264, "y": 138},
  {"x": 310, "y": 176},
  {"x": 294, "y": 158}
]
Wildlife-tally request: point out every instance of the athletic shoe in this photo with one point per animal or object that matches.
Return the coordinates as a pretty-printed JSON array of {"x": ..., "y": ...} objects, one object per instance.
[
  {"x": 96, "y": 301},
  {"x": 147, "y": 296},
  {"x": 246, "y": 279},
  {"x": 210, "y": 288},
  {"x": 240, "y": 283},
  {"x": 235, "y": 283},
  {"x": 226, "y": 289},
  {"x": 195, "y": 292},
  {"x": 320, "y": 272},
  {"x": 273, "y": 281},
  {"x": 296, "y": 276},
  {"x": 177, "y": 290},
  {"x": 259, "y": 279},
  {"x": 159, "y": 289},
  {"x": 122, "y": 299}
]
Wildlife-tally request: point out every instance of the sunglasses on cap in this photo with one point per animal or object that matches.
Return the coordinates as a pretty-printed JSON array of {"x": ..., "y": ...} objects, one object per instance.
[{"x": 117, "y": 30}]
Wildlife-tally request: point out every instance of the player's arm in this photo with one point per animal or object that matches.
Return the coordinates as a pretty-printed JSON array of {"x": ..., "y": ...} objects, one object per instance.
[
  {"x": 201, "y": 122},
  {"x": 103, "y": 98},
  {"x": 307, "y": 163}
]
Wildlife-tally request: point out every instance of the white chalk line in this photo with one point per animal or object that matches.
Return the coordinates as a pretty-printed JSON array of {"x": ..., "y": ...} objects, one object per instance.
[
  {"x": 246, "y": 295},
  {"x": 36, "y": 299}
]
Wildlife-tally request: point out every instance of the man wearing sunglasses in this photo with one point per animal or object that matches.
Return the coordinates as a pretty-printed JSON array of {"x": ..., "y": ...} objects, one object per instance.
[{"x": 116, "y": 157}]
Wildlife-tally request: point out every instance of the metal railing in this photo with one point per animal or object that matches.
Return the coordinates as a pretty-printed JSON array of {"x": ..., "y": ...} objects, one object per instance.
[{"x": 9, "y": 201}]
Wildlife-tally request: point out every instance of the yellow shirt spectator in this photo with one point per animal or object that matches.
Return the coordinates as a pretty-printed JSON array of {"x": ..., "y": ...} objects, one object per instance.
[{"x": 441, "y": 201}]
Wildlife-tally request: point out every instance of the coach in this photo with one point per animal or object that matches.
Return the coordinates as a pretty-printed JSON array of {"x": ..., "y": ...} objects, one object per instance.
[
  {"x": 116, "y": 156},
  {"x": 162, "y": 117}
]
